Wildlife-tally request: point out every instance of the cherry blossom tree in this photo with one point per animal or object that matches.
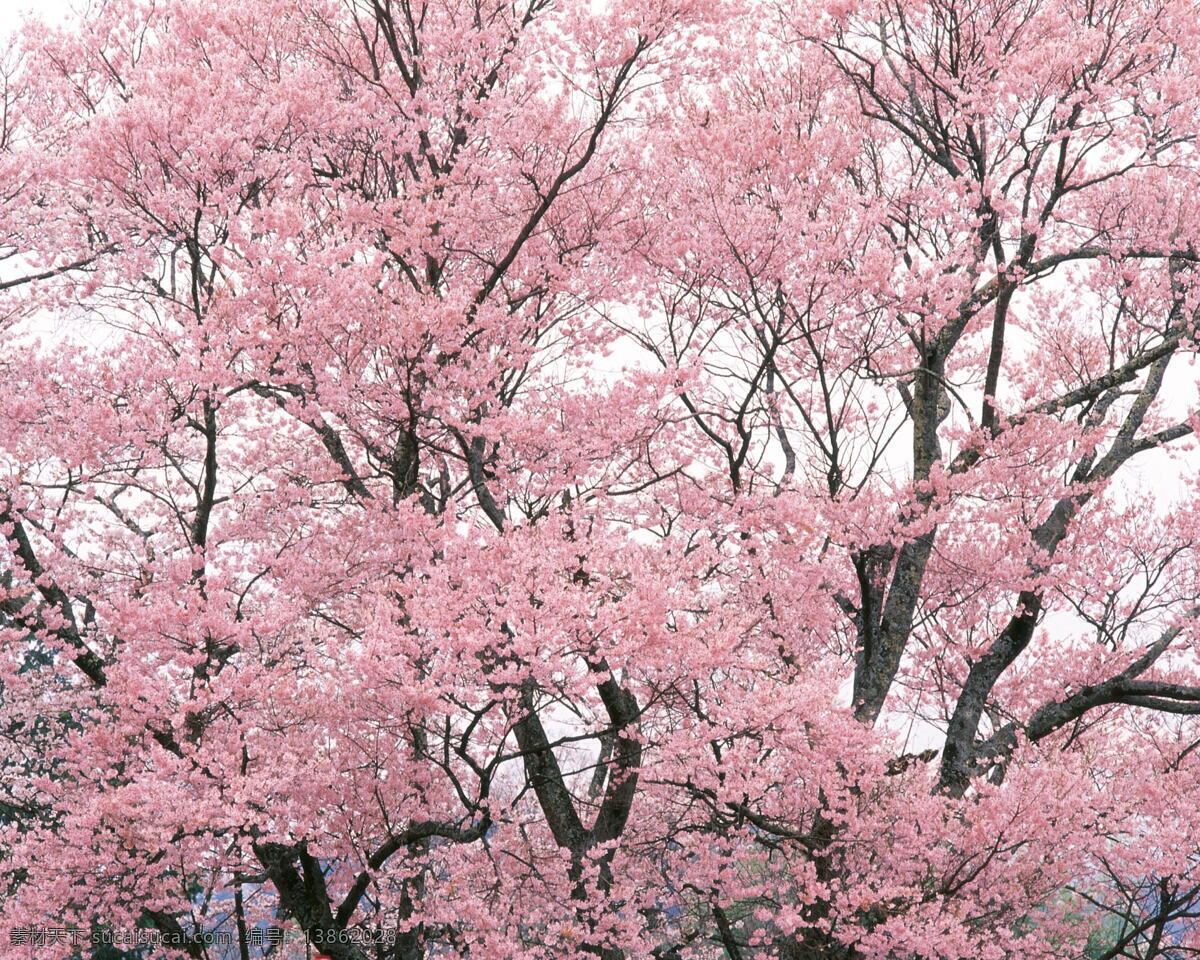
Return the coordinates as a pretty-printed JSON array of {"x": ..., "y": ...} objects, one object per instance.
[{"x": 653, "y": 479}]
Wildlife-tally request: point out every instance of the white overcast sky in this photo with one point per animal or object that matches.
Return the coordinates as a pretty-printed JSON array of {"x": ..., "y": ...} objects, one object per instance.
[{"x": 13, "y": 11}]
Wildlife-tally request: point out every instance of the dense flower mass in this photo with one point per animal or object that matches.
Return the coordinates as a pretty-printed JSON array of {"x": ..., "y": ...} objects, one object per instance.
[{"x": 642, "y": 480}]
